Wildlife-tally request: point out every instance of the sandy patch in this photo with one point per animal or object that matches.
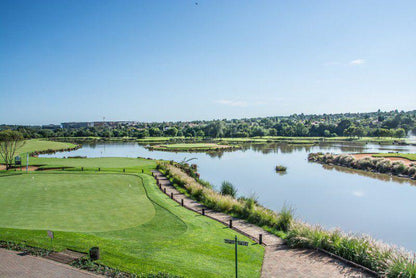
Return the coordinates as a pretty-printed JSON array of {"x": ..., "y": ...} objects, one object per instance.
[{"x": 30, "y": 168}]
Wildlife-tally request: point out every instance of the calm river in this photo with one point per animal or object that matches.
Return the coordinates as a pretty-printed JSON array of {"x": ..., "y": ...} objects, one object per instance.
[{"x": 374, "y": 204}]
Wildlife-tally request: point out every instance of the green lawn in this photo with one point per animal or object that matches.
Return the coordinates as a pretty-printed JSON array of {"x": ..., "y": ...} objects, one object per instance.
[
  {"x": 410, "y": 156},
  {"x": 42, "y": 145},
  {"x": 137, "y": 228},
  {"x": 105, "y": 163}
]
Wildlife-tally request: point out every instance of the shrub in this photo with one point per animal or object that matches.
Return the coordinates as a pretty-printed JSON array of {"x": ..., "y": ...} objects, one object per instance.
[
  {"x": 398, "y": 168},
  {"x": 227, "y": 188},
  {"x": 383, "y": 166},
  {"x": 411, "y": 171},
  {"x": 206, "y": 184},
  {"x": 280, "y": 168},
  {"x": 364, "y": 163},
  {"x": 285, "y": 219}
]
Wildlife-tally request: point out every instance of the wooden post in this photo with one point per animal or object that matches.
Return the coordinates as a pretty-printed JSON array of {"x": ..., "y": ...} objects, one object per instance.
[
  {"x": 164, "y": 190},
  {"x": 124, "y": 170},
  {"x": 181, "y": 202},
  {"x": 99, "y": 169},
  {"x": 203, "y": 211},
  {"x": 231, "y": 223},
  {"x": 82, "y": 168},
  {"x": 260, "y": 238},
  {"x": 95, "y": 253},
  {"x": 142, "y": 171},
  {"x": 171, "y": 195}
]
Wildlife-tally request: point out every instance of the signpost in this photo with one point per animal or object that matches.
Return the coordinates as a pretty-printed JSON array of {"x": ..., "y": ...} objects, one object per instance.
[
  {"x": 50, "y": 234},
  {"x": 27, "y": 162},
  {"x": 18, "y": 162},
  {"x": 236, "y": 242}
]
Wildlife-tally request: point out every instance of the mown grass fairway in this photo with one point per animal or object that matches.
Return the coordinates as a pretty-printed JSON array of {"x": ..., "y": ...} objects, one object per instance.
[{"x": 138, "y": 228}]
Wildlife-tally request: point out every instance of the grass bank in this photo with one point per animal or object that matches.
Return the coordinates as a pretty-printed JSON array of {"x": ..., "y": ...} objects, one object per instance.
[{"x": 383, "y": 259}]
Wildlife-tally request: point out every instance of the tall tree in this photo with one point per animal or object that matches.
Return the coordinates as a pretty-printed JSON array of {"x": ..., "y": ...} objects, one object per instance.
[{"x": 10, "y": 141}]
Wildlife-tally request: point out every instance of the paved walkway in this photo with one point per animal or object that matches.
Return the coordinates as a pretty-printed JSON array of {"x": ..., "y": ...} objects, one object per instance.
[
  {"x": 279, "y": 260},
  {"x": 14, "y": 265}
]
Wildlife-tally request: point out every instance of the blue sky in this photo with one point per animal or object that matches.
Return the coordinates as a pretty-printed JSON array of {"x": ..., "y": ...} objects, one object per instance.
[{"x": 178, "y": 60}]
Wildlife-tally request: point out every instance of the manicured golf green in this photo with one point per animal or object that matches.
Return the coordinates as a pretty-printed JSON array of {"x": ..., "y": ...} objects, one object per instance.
[
  {"x": 74, "y": 202},
  {"x": 136, "y": 226}
]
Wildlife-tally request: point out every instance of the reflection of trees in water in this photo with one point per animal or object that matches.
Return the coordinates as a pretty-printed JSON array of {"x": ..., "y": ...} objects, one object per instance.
[
  {"x": 267, "y": 148},
  {"x": 379, "y": 176}
]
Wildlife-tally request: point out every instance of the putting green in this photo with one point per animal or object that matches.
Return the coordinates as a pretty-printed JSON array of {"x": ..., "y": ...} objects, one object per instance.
[{"x": 77, "y": 202}]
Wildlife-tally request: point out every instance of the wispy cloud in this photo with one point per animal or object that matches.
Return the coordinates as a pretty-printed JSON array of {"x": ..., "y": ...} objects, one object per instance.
[
  {"x": 357, "y": 62},
  {"x": 235, "y": 103},
  {"x": 358, "y": 193}
]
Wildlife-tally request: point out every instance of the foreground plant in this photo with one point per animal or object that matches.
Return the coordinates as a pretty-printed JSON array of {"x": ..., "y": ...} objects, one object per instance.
[{"x": 383, "y": 259}]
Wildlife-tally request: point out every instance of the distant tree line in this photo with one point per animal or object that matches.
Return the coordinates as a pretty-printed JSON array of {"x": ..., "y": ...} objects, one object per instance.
[{"x": 374, "y": 124}]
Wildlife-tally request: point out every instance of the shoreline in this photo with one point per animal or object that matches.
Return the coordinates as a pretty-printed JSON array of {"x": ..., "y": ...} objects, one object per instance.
[{"x": 392, "y": 166}]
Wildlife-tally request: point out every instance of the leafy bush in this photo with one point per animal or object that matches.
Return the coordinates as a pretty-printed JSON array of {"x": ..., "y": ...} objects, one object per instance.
[{"x": 280, "y": 168}]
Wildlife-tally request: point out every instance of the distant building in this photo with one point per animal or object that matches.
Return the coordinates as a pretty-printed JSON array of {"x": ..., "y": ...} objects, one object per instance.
[
  {"x": 97, "y": 124},
  {"x": 77, "y": 124},
  {"x": 51, "y": 126}
]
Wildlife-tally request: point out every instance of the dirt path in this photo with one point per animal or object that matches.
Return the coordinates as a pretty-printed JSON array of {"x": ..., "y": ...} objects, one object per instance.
[
  {"x": 401, "y": 159},
  {"x": 30, "y": 168},
  {"x": 14, "y": 265},
  {"x": 279, "y": 260}
]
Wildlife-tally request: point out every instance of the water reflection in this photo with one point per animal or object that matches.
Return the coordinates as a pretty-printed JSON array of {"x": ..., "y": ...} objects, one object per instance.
[{"x": 379, "y": 176}]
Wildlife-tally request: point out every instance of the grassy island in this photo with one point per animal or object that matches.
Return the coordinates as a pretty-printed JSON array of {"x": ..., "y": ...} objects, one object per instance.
[{"x": 192, "y": 147}]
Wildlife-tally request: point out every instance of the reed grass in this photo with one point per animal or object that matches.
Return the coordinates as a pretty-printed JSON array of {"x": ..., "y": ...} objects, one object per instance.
[
  {"x": 386, "y": 260},
  {"x": 245, "y": 208}
]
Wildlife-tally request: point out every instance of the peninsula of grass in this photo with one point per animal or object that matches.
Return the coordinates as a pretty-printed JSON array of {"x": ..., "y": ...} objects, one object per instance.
[
  {"x": 409, "y": 156},
  {"x": 36, "y": 146},
  {"x": 138, "y": 228},
  {"x": 192, "y": 147},
  {"x": 40, "y": 145}
]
